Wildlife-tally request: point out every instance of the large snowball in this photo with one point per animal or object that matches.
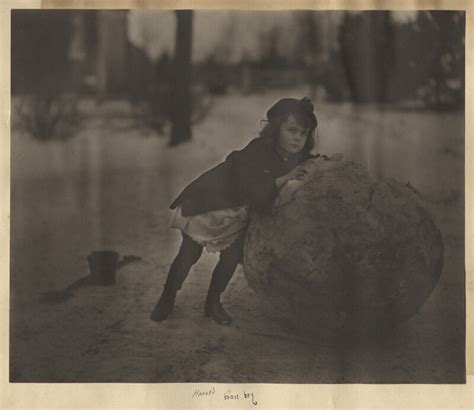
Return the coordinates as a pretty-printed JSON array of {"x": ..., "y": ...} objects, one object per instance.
[{"x": 343, "y": 250}]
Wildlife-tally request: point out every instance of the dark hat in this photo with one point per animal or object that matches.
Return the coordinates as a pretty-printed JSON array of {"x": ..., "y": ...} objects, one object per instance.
[{"x": 287, "y": 105}]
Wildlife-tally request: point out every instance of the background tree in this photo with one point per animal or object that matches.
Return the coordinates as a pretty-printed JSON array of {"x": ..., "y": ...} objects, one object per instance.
[
  {"x": 366, "y": 44},
  {"x": 441, "y": 68},
  {"x": 43, "y": 73},
  {"x": 40, "y": 45},
  {"x": 420, "y": 60},
  {"x": 181, "y": 99}
]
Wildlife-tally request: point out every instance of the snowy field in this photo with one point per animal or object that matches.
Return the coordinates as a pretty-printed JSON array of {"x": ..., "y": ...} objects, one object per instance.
[{"x": 110, "y": 187}]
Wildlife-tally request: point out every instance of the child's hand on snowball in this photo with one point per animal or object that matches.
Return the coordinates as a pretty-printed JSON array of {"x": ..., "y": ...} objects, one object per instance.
[{"x": 298, "y": 173}]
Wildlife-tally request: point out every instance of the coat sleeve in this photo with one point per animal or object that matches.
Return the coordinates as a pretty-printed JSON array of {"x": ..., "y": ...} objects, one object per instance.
[{"x": 255, "y": 185}]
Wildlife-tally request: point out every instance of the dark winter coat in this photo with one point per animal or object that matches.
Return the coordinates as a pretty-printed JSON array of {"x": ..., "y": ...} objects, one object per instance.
[{"x": 246, "y": 177}]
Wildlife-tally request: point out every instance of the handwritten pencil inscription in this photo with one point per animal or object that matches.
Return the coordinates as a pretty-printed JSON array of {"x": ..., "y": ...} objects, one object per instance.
[
  {"x": 208, "y": 392},
  {"x": 228, "y": 394}
]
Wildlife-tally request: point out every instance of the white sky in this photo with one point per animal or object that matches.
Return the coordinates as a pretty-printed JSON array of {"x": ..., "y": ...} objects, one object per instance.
[{"x": 233, "y": 33}]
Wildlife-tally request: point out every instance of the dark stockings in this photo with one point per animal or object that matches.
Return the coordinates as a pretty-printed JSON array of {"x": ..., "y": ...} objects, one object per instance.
[{"x": 190, "y": 252}]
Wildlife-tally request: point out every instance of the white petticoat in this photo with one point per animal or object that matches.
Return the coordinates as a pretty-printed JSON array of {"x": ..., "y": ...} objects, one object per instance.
[{"x": 216, "y": 230}]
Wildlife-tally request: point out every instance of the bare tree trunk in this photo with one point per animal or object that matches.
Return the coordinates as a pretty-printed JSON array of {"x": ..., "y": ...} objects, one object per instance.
[{"x": 181, "y": 101}]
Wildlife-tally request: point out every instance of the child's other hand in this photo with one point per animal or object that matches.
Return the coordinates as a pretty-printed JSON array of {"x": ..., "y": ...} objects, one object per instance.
[{"x": 298, "y": 173}]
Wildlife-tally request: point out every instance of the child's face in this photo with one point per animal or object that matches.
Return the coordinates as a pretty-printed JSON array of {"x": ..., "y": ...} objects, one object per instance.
[{"x": 292, "y": 137}]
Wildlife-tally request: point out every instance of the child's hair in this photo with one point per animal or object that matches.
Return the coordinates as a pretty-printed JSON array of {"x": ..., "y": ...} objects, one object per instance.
[{"x": 301, "y": 110}]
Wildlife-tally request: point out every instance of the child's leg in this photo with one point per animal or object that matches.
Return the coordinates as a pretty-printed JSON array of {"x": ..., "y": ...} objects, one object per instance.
[
  {"x": 228, "y": 260},
  {"x": 189, "y": 253}
]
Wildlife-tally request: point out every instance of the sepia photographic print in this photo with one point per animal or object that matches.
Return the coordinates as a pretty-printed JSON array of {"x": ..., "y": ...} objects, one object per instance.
[{"x": 237, "y": 196}]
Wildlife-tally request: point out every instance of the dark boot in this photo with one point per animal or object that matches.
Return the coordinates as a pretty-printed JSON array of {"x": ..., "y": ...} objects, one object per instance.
[
  {"x": 188, "y": 255},
  {"x": 228, "y": 260},
  {"x": 214, "y": 309},
  {"x": 165, "y": 305}
]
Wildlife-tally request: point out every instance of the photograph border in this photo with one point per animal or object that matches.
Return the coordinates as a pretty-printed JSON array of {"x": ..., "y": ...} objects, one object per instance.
[{"x": 179, "y": 395}]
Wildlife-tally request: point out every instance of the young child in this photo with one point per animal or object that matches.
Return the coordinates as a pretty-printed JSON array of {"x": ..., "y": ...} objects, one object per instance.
[{"x": 213, "y": 210}]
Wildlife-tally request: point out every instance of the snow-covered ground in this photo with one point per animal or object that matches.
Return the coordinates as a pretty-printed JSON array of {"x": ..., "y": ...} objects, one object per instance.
[{"x": 110, "y": 187}]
